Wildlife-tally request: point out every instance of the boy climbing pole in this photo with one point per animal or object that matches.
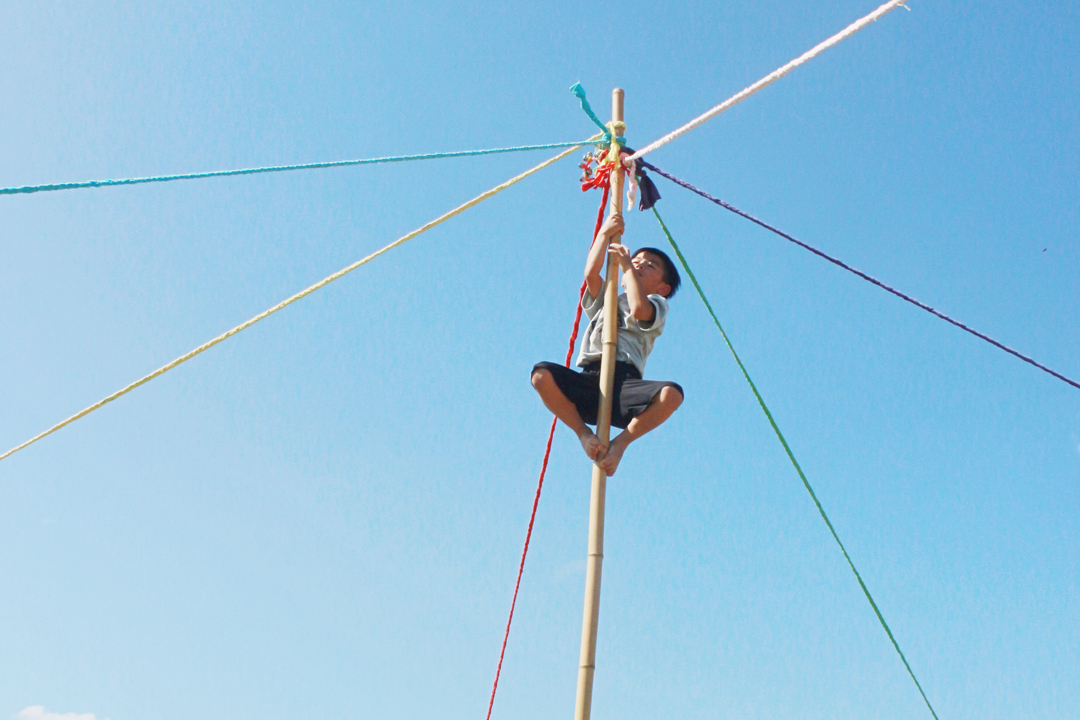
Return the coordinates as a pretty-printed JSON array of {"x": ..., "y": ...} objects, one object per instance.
[{"x": 649, "y": 279}]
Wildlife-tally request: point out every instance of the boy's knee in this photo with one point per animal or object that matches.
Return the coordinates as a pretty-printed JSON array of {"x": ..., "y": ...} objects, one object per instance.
[
  {"x": 672, "y": 397},
  {"x": 541, "y": 378}
]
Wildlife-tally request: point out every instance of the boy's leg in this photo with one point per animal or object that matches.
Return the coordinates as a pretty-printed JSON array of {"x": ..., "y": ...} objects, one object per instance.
[
  {"x": 666, "y": 402},
  {"x": 566, "y": 411}
]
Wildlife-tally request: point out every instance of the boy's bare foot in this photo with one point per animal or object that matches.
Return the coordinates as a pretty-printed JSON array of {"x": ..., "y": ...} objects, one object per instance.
[
  {"x": 592, "y": 445},
  {"x": 610, "y": 461}
]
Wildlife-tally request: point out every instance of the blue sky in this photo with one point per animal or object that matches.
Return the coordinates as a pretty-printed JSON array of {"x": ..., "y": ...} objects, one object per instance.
[{"x": 323, "y": 516}]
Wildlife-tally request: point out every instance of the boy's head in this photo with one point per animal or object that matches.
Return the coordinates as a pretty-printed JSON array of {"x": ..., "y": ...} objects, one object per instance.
[{"x": 656, "y": 272}]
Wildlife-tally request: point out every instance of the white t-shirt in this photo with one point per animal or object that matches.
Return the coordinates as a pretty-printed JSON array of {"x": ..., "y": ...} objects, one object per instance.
[{"x": 636, "y": 337}]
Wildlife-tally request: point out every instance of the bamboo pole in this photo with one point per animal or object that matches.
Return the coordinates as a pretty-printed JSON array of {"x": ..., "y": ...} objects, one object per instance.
[{"x": 587, "y": 663}]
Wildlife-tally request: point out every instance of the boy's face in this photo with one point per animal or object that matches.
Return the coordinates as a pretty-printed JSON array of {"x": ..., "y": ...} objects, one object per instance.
[{"x": 649, "y": 270}]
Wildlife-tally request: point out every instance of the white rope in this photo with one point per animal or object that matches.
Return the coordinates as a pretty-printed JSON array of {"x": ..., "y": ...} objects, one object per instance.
[
  {"x": 303, "y": 293},
  {"x": 770, "y": 78}
]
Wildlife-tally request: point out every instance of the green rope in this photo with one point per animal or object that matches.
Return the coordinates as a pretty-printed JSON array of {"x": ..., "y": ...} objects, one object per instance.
[
  {"x": 281, "y": 168},
  {"x": 791, "y": 456}
]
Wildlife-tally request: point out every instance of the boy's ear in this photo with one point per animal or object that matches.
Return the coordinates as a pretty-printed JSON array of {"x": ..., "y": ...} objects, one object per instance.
[{"x": 664, "y": 289}]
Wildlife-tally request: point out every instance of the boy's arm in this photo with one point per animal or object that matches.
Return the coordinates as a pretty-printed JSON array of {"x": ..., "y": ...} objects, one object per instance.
[
  {"x": 594, "y": 265},
  {"x": 640, "y": 306}
]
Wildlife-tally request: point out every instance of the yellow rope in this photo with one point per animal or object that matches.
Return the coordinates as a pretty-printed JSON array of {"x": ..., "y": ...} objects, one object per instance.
[{"x": 325, "y": 281}]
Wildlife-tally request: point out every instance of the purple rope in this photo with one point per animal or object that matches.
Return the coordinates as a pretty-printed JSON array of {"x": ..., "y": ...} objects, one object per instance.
[{"x": 861, "y": 274}]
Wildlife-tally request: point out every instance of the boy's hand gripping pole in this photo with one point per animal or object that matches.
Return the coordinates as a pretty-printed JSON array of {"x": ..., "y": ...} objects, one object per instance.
[{"x": 587, "y": 664}]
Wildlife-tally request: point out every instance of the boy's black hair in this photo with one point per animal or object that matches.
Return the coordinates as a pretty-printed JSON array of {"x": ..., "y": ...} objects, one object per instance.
[{"x": 671, "y": 274}]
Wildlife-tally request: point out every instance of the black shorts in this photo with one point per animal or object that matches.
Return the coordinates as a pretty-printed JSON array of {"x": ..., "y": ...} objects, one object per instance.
[{"x": 632, "y": 394}]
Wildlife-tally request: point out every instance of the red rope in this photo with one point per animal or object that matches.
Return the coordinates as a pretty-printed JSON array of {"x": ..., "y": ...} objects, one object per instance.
[{"x": 543, "y": 470}]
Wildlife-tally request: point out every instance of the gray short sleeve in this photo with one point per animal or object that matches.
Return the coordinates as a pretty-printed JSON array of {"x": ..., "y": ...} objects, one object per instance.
[
  {"x": 656, "y": 326},
  {"x": 592, "y": 305}
]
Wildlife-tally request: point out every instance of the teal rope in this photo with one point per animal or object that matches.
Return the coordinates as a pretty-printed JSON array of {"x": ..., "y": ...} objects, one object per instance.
[
  {"x": 280, "y": 168},
  {"x": 579, "y": 93},
  {"x": 791, "y": 456}
]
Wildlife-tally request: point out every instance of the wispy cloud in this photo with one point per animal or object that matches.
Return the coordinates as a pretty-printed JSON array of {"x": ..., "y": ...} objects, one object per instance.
[{"x": 38, "y": 712}]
